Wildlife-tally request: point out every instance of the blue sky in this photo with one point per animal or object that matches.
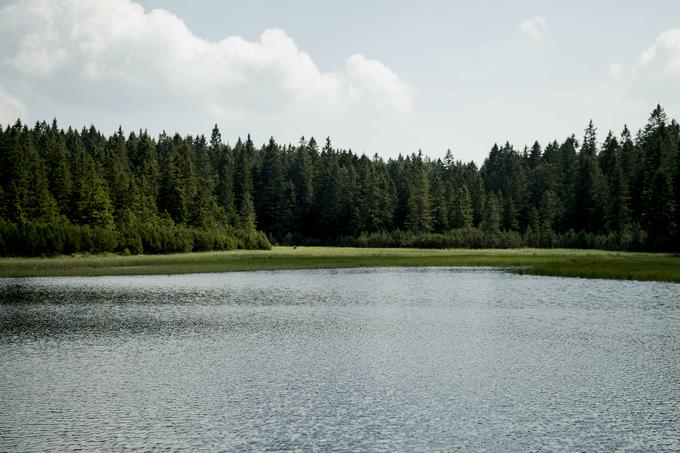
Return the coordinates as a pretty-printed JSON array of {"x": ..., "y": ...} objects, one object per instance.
[{"x": 378, "y": 77}]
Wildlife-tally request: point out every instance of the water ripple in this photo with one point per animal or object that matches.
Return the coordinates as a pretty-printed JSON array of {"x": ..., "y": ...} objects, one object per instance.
[{"x": 363, "y": 359}]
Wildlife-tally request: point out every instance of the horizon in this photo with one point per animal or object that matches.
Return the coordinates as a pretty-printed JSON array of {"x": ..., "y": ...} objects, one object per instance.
[{"x": 601, "y": 138}]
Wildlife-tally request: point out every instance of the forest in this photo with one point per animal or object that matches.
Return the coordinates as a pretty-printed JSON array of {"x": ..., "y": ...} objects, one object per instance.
[{"x": 69, "y": 191}]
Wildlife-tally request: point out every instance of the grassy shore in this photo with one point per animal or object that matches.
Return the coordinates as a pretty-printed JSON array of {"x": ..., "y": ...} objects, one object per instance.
[{"x": 568, "y": 263}]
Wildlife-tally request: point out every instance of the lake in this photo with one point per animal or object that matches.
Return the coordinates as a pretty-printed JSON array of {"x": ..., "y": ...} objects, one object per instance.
[{"x": 455, "y": 359}]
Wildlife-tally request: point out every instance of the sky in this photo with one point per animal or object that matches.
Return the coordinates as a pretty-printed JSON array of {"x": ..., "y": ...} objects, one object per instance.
[{"x": 385, "y": 77}]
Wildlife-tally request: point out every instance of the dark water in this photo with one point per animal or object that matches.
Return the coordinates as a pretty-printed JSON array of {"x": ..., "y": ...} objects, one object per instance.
[{"x": 380, "y": 359}]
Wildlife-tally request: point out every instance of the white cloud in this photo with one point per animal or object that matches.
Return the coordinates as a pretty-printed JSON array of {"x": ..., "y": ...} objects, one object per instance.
[
  {"x": 656, "y": 76},
  {"x": 373, "y": 81},
  {"x": 108, "y": 53},
  {"x": 11, "y": 108},
  {"x": 661, "y": 59},
  {"x": 615, "y": 71},
  {"x": 534, "y": 28}
]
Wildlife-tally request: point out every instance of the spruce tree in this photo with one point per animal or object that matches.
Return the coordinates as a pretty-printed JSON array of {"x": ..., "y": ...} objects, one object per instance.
[
  {"x": 590, "y": 192},
  {"x": 658, "y": 210},
  {"x": 270, "y": 190},
  {"x": 223, "y": 161},
  {"x": 244, "y": 154},
  {"x": 462, "y": 209}
]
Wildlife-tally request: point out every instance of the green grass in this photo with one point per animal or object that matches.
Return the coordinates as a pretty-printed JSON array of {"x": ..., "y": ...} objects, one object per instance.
[{"x": 568, "y": 263}]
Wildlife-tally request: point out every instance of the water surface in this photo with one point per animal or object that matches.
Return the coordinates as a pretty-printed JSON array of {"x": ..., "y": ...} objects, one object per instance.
[{"x": 364, "y": 359}]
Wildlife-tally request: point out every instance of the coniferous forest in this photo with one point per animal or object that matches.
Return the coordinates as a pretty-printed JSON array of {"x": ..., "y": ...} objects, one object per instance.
[{"x": 68, "y": 191}]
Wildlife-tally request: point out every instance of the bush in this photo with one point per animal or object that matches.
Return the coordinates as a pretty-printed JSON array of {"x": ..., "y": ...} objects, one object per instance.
[
  {"x": 38, "y": 239},
  {"x": 253, "y": 240}
]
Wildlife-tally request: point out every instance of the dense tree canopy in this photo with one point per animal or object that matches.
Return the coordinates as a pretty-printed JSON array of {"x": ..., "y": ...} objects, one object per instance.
[{"x": 68, "y": 191}]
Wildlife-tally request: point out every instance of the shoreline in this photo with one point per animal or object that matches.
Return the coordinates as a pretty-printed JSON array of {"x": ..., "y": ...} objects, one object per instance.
[{"x": 545, "y": 262}]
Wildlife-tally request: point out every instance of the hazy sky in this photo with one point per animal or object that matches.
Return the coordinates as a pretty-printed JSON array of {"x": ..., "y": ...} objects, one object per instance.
[{"x": 377, "y": 76}]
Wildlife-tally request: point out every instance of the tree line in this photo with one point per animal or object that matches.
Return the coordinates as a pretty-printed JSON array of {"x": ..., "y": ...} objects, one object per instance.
[{"x": 66, "y": 191}]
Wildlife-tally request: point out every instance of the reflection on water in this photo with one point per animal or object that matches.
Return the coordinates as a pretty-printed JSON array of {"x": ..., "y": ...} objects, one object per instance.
[{"x": 366, "y": 359}]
